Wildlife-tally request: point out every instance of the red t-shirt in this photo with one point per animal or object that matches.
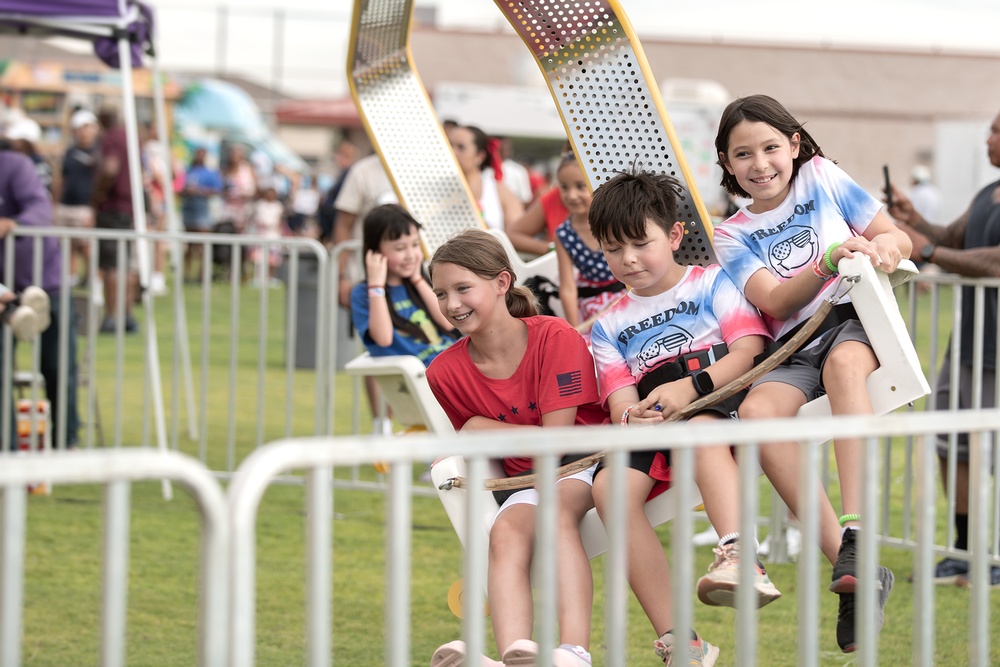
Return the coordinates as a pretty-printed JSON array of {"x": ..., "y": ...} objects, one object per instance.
[
  {"x": 555, "y": 212},
  {"x": 556, "y": 372}
]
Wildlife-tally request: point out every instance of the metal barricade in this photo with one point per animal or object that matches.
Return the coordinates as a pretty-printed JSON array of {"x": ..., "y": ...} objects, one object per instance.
[
  {"x": 117, "y": 470},
  {"x": 932, "y": 306},
  {"x": 319, "y": 456},
  {"x": 217, "y": 320}
]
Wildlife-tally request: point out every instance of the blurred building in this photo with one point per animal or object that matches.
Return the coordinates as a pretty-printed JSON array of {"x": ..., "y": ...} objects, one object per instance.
[
  {"x": 48, "y": 83},
  {"x": 865, "y": 106}
]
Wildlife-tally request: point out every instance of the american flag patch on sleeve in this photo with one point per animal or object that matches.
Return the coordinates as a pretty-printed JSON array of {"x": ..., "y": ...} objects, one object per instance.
[{"x": 570, "y": 384}]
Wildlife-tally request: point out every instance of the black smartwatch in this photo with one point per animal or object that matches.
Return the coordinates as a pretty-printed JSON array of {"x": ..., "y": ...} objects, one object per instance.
[
  {"x": 703, "y": 383},
  {"x": 927, "y": 252}
]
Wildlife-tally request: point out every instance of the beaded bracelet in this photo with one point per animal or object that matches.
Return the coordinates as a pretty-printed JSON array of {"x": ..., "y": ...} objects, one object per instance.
[
  {"x": 826, "y": 257},
  {"x": 626, "y": 414},
  {"x": 817, "y": 271},
  {"x": 849, "y": 517}
]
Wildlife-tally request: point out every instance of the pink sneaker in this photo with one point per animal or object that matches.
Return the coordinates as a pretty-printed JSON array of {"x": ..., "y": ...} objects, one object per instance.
[
  {"x": 452, "y": 654},
  {"x": 522, "y": 653}
]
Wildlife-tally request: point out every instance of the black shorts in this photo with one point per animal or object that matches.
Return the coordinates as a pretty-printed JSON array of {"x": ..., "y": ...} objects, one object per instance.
[
  {"x": 656, "y": 462},
  {"x": 107, "y": 255}
]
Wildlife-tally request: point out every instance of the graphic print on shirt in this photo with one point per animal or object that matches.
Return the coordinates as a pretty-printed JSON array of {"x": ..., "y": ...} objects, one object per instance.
[
  {"x": 570, "y": 384},
  {"x": 797, "y": 247},
  {"x": 671, "y": 342},
  {"x": 640, "y": 333}
]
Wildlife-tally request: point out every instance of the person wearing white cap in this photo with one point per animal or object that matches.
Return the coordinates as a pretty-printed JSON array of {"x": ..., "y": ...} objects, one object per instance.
[
  {"x": 924, "y": 194},
  {"x": 24, "y": 134},
  {"x": 76, "y": 184}
]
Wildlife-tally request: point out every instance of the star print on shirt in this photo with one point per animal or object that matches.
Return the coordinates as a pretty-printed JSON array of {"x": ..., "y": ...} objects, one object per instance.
[
  {"x": 502, "y": 417},
  {"x": 532, "y": 406},
  {"x": 513, "y": 410}
]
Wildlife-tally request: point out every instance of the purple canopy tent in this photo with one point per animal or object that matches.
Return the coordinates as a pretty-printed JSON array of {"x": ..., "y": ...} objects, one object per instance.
[
  {"x": 119, "y": 27},
  {"x": 101, "y": 21}
]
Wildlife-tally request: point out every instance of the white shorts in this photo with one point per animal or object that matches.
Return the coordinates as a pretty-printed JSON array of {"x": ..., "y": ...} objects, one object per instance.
[{"x": 530, "y": 496}]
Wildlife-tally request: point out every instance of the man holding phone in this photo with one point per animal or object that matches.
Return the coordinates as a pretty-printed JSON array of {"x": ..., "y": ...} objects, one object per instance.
[{"x": 969, "y": 246}]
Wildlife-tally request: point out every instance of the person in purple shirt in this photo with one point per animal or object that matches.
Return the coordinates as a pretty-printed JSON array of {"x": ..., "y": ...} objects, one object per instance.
[{"x": 24, "y": 202}]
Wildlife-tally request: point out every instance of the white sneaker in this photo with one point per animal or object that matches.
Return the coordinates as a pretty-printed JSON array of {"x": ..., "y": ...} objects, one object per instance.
[
  {"x": 793, "y": 544},
  {"x": 571, "y": 656},
  {"x": 718, "y": 587},
  {"x": 793, "y": 538},
  {"x": 158, "y": 285},
  {"x": 23, "y": 323},
  {"x": 97, "y": 298},
  {"x": 705, "y": 538},
  {"x": 700, "y": 652},
  {"x": 38, "y": 300}
]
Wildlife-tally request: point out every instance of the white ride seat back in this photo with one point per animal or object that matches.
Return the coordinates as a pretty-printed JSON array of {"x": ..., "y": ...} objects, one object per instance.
[{"x": 897, "y": 382}]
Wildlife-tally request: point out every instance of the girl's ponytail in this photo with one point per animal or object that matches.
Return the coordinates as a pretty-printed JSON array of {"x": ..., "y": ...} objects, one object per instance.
[{"x": 521, "y": 302}]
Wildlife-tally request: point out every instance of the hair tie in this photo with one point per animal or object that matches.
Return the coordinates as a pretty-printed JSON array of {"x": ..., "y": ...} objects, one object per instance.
[{"x": 493, "y": 151}]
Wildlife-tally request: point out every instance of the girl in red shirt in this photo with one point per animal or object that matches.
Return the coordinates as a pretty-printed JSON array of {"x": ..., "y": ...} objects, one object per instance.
[{"x": 517, "y": 369}]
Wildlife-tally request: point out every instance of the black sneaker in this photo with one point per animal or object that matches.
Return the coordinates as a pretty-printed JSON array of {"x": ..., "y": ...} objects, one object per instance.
[
  {"x": 949, "y": 570},
  {"x": 845, "y": 570},
  {"x": 845, "y": 623},
  {"x": 845, "y": 613},
  {"x": 963, "y": 579}
]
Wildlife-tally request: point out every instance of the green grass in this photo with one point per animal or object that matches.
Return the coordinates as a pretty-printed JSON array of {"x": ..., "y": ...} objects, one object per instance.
[{"x": 63, "y": 563}]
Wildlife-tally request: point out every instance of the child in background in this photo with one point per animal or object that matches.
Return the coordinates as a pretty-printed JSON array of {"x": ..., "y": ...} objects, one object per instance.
[
  {"x": 679, "y": 332},
  {"x": 393, "y": 309},
  {"x": 516, "y": 369},
  {"x": 782, "y": 250},
  {"x": 586, "y": 284},
  {"x": 268, "y": 214}
]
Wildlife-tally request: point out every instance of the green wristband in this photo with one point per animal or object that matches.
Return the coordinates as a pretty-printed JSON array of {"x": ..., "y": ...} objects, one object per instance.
[
  {"x": 826, "y": 257},
  {"x": 849, "y": 517}
]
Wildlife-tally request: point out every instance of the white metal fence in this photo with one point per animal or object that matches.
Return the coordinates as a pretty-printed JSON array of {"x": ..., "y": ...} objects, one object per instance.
[
  {"x": 116, "y": 470},
  {"x": 905, "y": 466},
  {"x": 214, "y": 358},
  {"x": 320, "y": 456}
]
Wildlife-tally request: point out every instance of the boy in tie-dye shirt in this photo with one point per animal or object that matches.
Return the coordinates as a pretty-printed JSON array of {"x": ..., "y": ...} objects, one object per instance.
[{"x": 678, "y": 332}]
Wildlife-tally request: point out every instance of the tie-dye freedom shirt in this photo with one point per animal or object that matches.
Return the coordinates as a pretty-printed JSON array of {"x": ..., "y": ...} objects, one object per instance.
[
  {"x": 639, "y": 333},
  {"x": 824, "y": 205}
]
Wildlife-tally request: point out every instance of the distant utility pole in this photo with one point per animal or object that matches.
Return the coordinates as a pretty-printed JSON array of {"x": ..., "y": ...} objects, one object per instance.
[
  {"x": 277, "y": 57},
  {"x": 222, "y": 27}
]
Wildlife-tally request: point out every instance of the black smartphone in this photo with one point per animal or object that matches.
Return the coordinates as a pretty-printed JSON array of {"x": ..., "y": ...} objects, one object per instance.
[{"x": 888, "y": 186}]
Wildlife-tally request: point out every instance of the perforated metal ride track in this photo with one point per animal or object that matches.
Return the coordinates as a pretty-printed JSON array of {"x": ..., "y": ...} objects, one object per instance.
[
  {"x": 608, "y": 99},
  {"x": 599, "y": 78},
  {"x": 402, "y": 124}
]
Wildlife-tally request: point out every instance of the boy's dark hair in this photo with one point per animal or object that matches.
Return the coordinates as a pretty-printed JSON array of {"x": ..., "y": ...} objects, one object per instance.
[
  {"x": 388, "y": 223},
  {"x": 622, "y": 205},
  {"x": 761, "y": 109}
]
